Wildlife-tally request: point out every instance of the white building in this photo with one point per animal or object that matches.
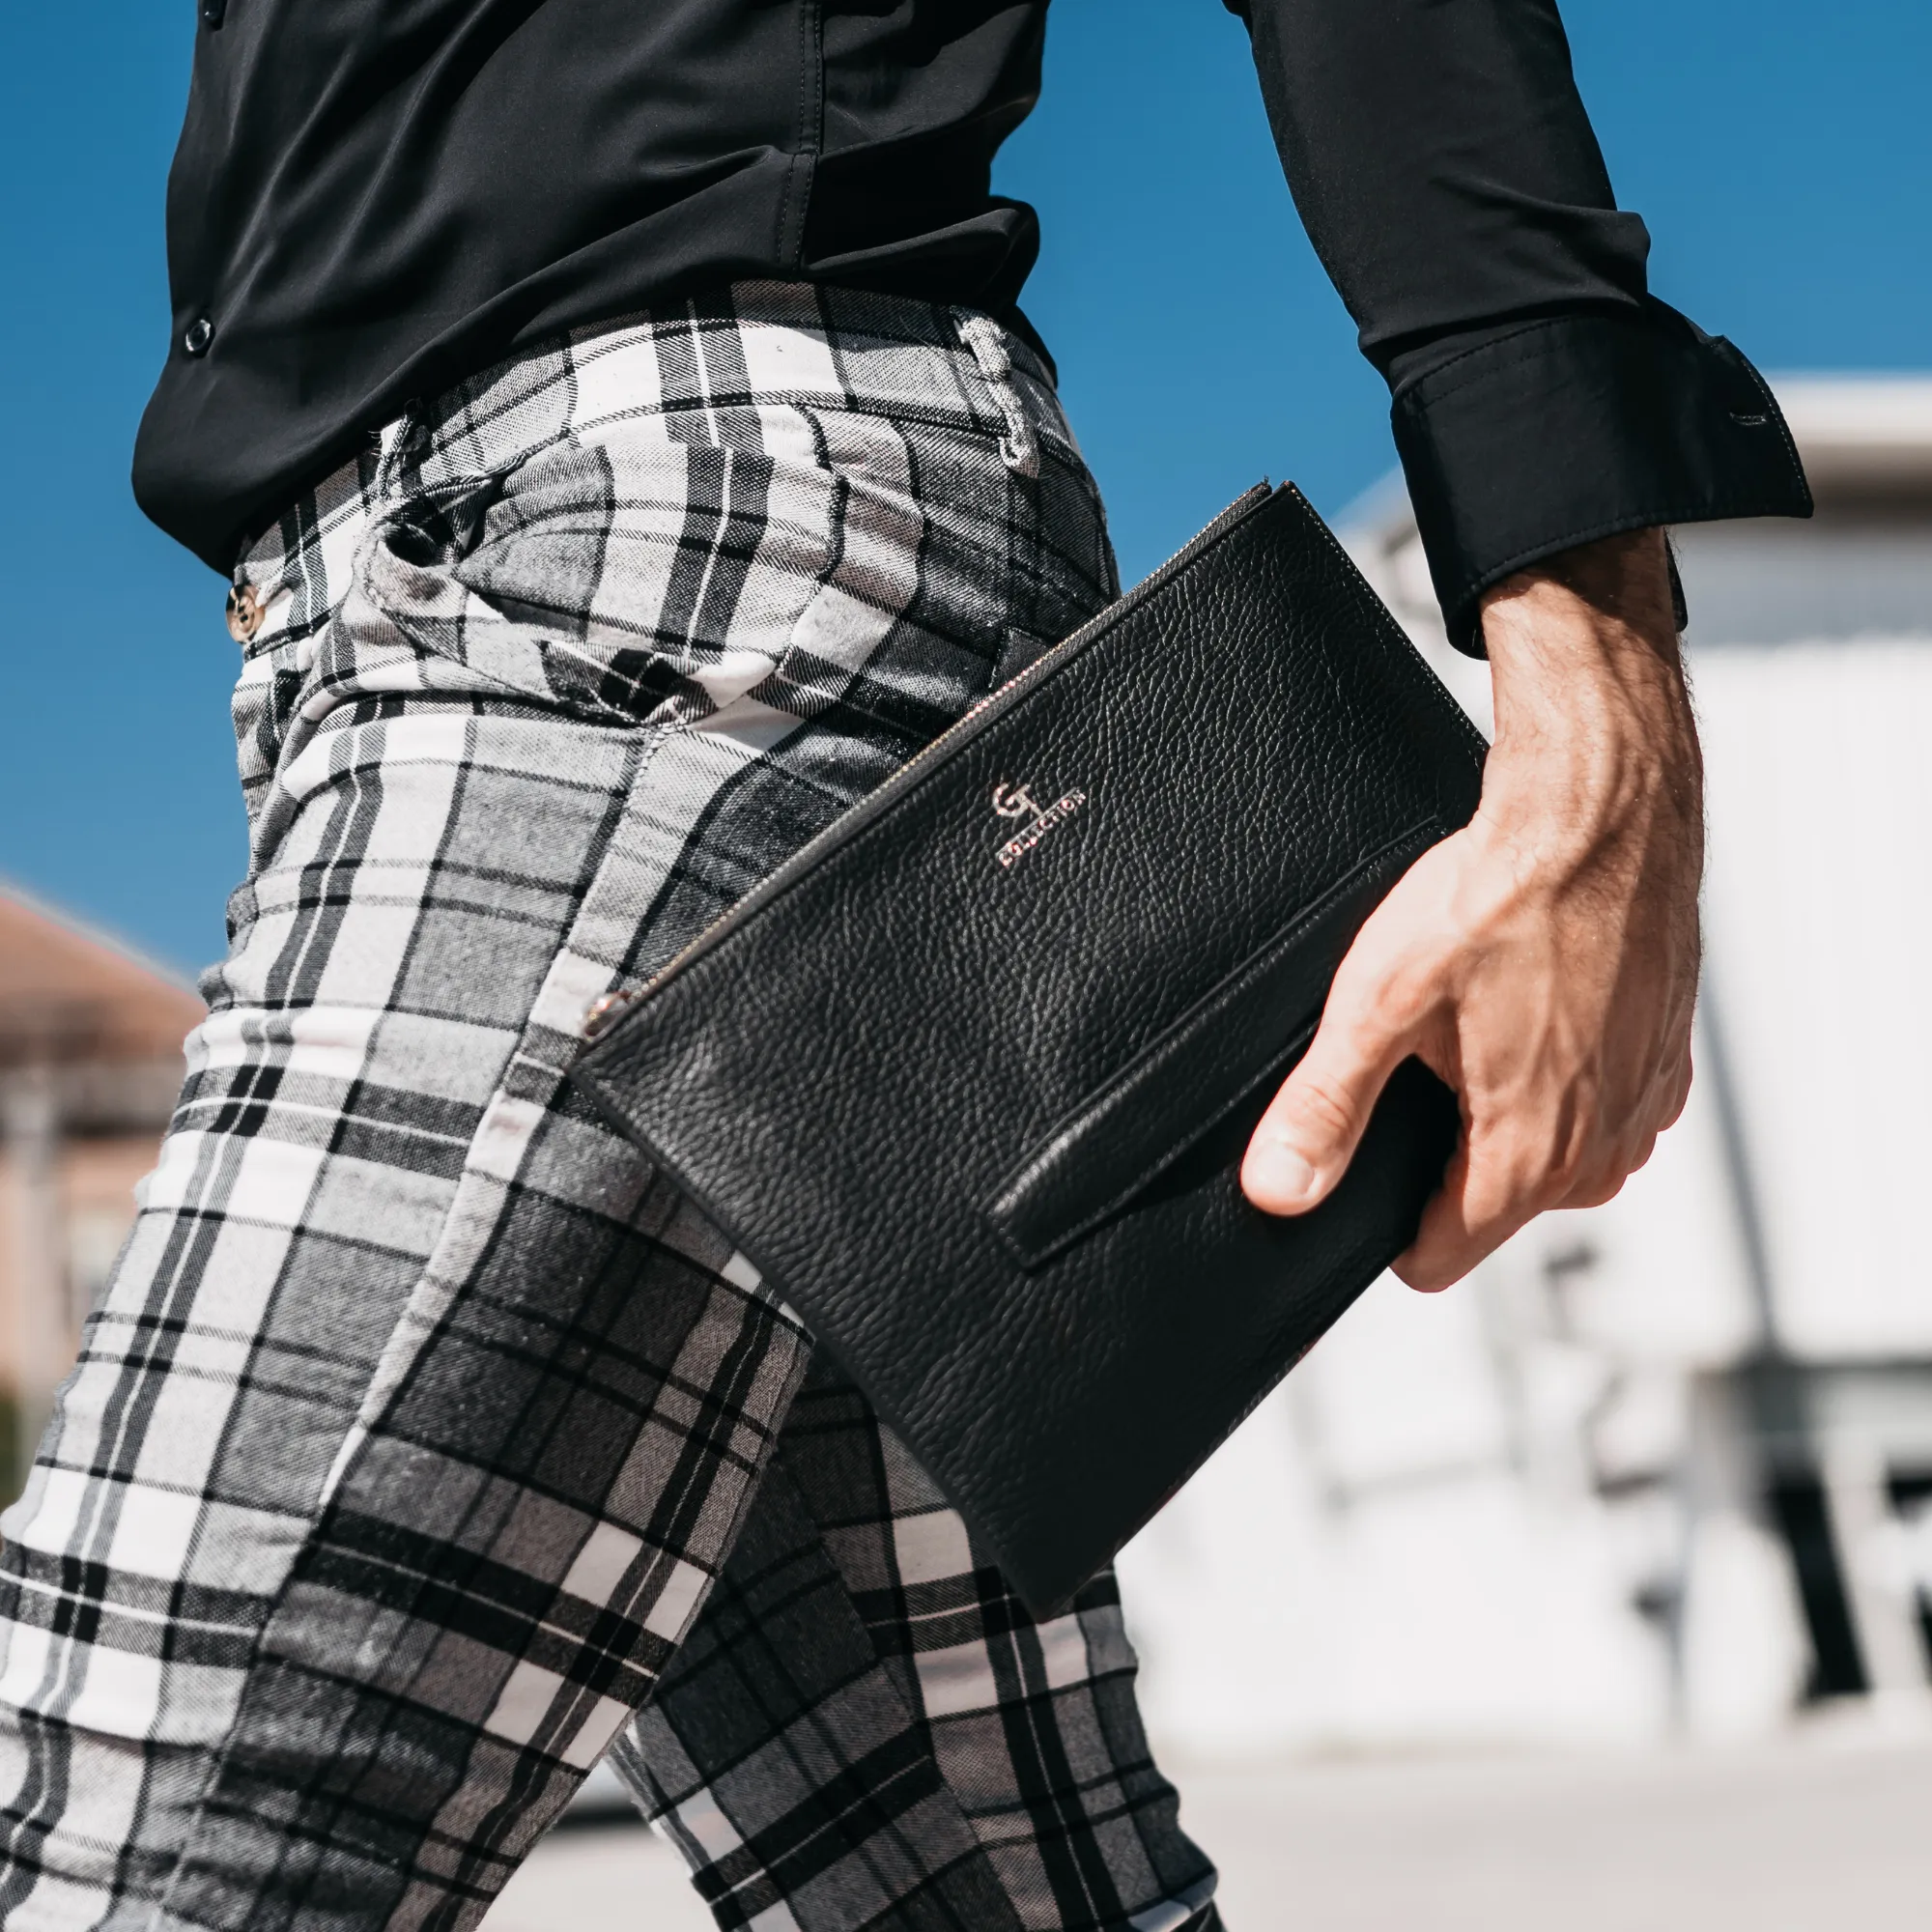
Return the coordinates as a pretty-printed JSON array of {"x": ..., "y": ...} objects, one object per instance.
[{"x": 1663, "y": 1465}]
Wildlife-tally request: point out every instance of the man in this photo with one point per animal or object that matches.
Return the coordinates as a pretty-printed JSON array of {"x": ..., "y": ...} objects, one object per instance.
[{"x": 625, "y": 449}]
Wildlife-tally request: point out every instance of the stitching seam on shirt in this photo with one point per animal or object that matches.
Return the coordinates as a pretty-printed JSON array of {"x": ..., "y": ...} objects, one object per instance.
[
  {"x": 1530, "y": 353},
  {"x": 810, "y": 132},
  {"x": 1540, "y": 325}
]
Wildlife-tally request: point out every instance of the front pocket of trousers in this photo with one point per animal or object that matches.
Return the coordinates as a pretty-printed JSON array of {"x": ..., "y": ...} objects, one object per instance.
[
  {"x": 646, "y": 581},
  {"x": 408, "y": 604}
]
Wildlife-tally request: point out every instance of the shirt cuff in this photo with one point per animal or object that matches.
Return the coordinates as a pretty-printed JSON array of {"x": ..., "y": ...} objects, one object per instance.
[{"x": 1579, "y": 426}]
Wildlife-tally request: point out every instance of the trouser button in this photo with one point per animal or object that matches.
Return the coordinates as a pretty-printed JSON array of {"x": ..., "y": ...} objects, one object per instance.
[{"x": 244, "y": 612}]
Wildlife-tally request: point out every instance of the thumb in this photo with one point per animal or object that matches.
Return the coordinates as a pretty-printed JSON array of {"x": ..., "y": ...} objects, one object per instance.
[{"x": 1309, "y": 1134}]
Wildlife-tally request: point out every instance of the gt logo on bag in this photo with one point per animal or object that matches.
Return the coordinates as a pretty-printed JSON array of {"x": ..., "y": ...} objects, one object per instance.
[{"x": 1016, "y": 801}]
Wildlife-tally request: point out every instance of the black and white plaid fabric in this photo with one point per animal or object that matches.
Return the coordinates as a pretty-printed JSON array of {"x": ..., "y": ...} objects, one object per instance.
[{"x": 425, "y": 1444}]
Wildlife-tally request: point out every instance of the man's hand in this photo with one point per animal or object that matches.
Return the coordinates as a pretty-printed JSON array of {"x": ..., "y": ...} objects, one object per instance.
[{"x": 1544, "y": 960}]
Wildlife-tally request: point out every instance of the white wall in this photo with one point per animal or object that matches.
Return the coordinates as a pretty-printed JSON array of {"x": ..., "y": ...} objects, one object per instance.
[
  {"x": 1820, "y": 933},
  {"x": 1438, "y": 1530}
]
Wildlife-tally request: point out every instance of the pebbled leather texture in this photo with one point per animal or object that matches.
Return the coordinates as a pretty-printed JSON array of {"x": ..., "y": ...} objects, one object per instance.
[
  {"x": 970, "y": 1078},
  {"x": 1253, "y": 1027}
]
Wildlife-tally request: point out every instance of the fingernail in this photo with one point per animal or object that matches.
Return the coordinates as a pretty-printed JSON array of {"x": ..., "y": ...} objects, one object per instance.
[{"x": 1282, "y": 1174}]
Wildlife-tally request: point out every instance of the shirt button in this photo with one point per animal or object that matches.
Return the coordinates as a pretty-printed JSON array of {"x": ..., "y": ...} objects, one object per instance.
[
  {"x": 214, "y": 12},
  {"x": 200, "y": 334}
]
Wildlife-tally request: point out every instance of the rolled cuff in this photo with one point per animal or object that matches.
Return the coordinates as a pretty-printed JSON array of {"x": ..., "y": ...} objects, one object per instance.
[{"x": 1581, "y": 426}]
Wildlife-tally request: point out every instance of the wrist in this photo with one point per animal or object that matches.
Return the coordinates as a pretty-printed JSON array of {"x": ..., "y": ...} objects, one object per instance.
[{"x": 1594, "y": 725}]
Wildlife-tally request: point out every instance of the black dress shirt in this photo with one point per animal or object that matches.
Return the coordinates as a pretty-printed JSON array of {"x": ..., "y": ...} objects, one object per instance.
[{"x": 374, "y": 198}]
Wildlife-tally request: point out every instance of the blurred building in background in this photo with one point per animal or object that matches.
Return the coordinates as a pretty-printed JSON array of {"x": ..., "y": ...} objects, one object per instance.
[
  {"x": 1663, "y": 1465},
  {"x": 90, "y": 1063}
]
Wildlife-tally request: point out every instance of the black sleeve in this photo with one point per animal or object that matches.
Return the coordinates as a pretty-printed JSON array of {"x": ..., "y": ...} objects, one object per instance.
[{"x": 1449, "y": 179}]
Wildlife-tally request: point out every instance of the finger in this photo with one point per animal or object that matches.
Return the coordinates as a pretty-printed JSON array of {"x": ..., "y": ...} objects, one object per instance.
[
  {"x": 1425, "y": 1265},
  {"x": 1605, "y": 1180},
  {"x": 1498, "y": 1182},
  {"x": 1308, "y": 1135},
  {"x": 1451, "y": 1239},
  {"x": 1679, "y": 1093},
  {"x": 1601, "y": 1187},
  {"x": 1490, "y": 1196}
]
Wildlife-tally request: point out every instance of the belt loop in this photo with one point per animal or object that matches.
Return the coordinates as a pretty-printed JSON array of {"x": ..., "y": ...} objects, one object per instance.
[
  {"x": 1019, "y": 446},
  {"x": 393, "y": 442}
]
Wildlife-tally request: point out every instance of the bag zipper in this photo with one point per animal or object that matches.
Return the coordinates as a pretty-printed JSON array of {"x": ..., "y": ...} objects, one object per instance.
[{"x": 605, "y": 1012}]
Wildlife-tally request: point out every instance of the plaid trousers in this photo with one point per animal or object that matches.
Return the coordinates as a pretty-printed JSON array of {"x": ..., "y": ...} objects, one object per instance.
[{"x": 426, "y": 1444}]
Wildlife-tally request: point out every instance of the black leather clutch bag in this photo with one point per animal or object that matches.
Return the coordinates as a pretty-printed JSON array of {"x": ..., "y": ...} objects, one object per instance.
[{"x": 969, "y": 1079}]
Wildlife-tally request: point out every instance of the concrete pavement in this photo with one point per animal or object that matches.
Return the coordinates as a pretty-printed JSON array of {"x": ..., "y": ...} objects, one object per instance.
[{"x": 1812, "y": 1833}]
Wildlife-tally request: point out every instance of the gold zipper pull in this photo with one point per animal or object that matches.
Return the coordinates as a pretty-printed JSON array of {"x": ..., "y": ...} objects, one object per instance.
[{"x": 605, "y": 1012}]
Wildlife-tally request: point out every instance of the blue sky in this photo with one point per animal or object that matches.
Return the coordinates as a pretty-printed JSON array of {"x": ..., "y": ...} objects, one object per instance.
[{"x": 1781, "y": 153}]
